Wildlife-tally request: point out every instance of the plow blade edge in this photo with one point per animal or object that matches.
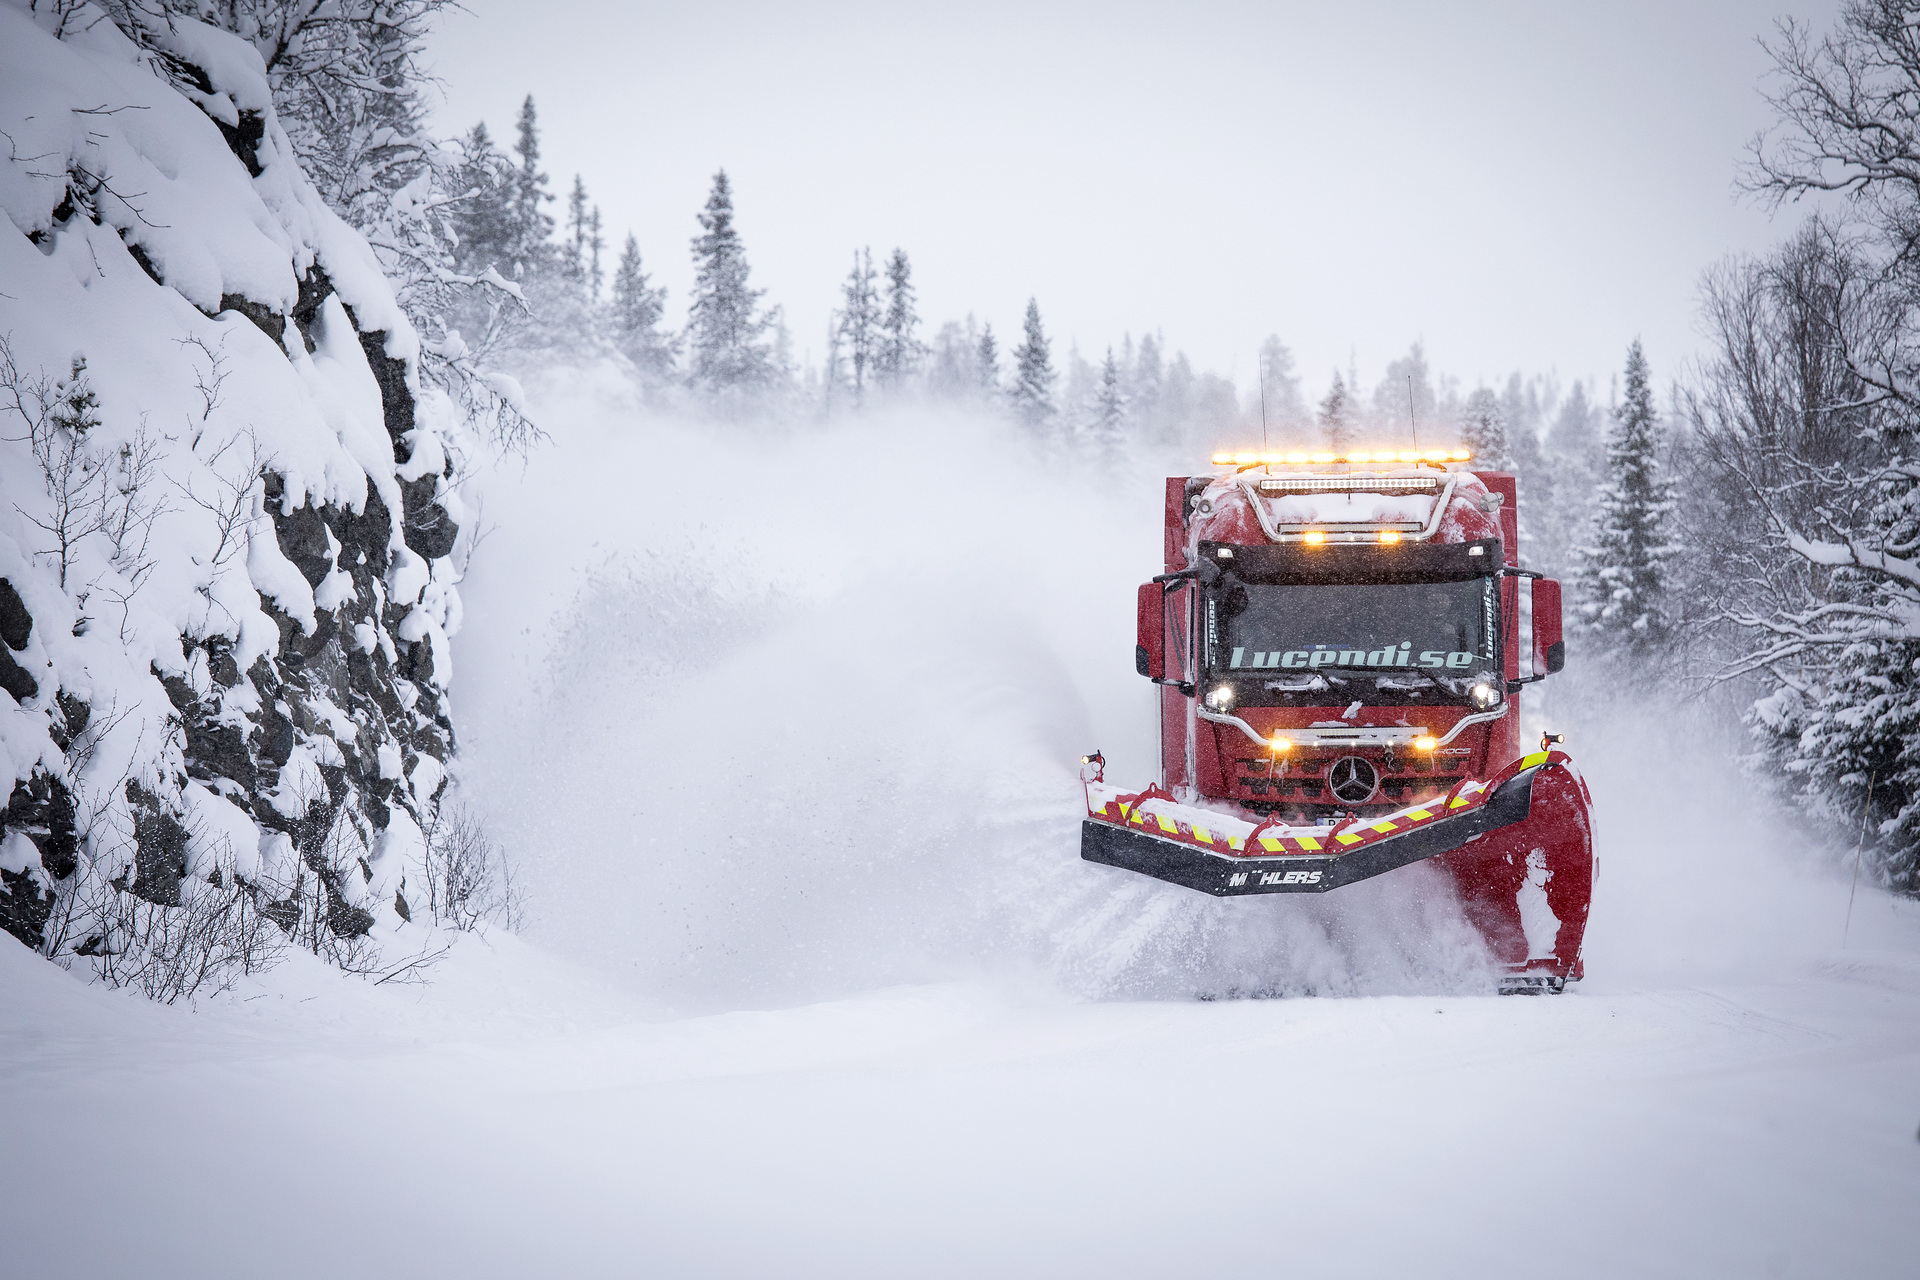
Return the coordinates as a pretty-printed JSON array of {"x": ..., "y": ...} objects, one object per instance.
[{"x": 1225, "y": 875}]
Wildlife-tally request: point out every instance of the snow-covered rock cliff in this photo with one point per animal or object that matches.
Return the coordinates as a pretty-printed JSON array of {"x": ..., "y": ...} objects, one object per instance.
[{"x": 228, "y": 541}]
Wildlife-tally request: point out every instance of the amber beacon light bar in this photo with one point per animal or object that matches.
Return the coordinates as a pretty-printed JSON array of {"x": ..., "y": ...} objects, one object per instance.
[{"x": 1298, "y": 459}]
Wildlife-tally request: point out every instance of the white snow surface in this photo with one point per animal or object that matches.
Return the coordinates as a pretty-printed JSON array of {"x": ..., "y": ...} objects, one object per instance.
[{"x": 784, "y": 731}]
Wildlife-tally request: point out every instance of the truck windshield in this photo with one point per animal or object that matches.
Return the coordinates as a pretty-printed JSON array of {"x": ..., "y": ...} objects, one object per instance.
[{"x": 1435, "y": 629}]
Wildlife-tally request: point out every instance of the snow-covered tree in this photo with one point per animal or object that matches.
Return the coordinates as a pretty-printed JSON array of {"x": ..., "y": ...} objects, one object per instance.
[
  {"x": 860, "y": 323},
  {"x": 1282, "y": 407},
  {"x": 1107, "y": 427},
  {"x": 574, "y": 255},
  {"x": 1031, "y": 394},
  {"x": 532, "y": 225},
  {"x": 1404, "y": 402},
  {"x": 596, "y": 246},
  {"x": 637, "y": 309},
  {"x": 1622, "y": 582},
  {"x": 727, "y": 334},
  {"x": 1483, "y": 430},
  {"x": 1336, "y": 416},
  {"x": 987, "y": 363},
  {"x": 348, "y": 84},
  {"x": 900, "y": 352}
]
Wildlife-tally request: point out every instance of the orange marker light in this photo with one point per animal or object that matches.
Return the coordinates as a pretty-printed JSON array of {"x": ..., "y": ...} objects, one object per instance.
[
  {"x": 1313, "y": 537},
  {"x": 1281, "y": 745},
  {"x": 1425, "y": 742},
  {"x": 1323, "y": 457},
  {"x": 1222, "y": 459},
  {"x": 1389, "y": 535}
]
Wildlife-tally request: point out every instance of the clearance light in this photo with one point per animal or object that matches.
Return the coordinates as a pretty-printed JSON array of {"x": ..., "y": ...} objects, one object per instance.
[
  {"x": 1389, "y": 535},
  {"x": 1222, "y": 459},
  {"x": 1242, "y": 459},
  {"x": 1299, "y": 458},
  {"x": 1460, "y": 455},
  {"x": 1313, "y": 537},
  {"x": 1281, "y": 745},
  {"x": 1359, "y": 457},
  {"x": 1425, "y": 742},
  {"x": 1324, "y": 457}
]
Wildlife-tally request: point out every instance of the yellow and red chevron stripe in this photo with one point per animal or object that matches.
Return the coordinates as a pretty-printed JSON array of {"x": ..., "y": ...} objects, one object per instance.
[{"x": 1273, "y": 839}]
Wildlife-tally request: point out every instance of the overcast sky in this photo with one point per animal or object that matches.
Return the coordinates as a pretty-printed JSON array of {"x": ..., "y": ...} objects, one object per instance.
[{"x": 1518, "y": 186}]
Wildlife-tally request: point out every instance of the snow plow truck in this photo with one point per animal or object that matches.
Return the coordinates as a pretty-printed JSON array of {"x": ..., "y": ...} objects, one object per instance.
[{"x": 1340, "y": 643}]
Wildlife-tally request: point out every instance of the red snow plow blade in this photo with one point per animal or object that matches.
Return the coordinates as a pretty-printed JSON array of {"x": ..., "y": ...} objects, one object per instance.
[{"x": 1519, "y": 847}]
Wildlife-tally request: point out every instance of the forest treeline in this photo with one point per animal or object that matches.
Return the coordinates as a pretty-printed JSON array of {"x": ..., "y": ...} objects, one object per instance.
[{"x": 1754, "y": 526}]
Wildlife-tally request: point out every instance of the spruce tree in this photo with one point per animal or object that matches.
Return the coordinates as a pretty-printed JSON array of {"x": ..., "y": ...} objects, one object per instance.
[
  {"x": 483, "y": 216},
  {"x": 987, "y": 363},
  {"x": 1483, "y": 430},
  {"x": 637, "y": 309},
  {"x": 1032, "y": 390},
  {"x": 1106, "y": 431},
  {"x": 596, "y": 245},
  {"x": 1336, "y": 416},
  {"x": 900, "y": 352},
  {"x": 727, "y": 348},
  {"x": 860, "y": 322},
  {"x": 1621, "y": 582},
  {"x": 576, "y": 250},
  {"x": 532, "y": 227}
]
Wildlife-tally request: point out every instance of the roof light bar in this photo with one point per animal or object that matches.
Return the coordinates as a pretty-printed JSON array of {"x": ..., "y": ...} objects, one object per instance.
[{"x": 1248, "y": 458}]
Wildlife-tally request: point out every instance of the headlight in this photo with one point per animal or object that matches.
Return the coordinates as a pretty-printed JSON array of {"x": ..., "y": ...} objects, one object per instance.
[
  {"x": 1221, "y": 698},
  {"x": 1485, "y": 694}
]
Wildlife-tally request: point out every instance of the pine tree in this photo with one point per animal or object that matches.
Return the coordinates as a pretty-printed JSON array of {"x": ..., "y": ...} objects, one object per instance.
[
  {"x": 1032, "y": 390},
  {"x": 1483, "y": 430},
  {"x": 1621, "y": 582},
  {"x": 860, "y": 322},
  {"x": 726, "y": 333},
  {"x": 1107, "y": 429},
  {"x": 596, "y": 245},
  {"x": 532, "y": 227},
  {"x": 1336, "y": 416},
  {"x": 987, "y": 363},
  {"x": 576, "y": 250},
  {"x": 482, "y": 216},
  {"x": 1281, "y": 403},
  {"x": 637, "y": 310},
  {"x": 900, "y": 352}
]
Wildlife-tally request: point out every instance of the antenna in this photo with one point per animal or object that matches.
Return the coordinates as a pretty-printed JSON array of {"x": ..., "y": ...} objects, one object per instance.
[
  {"x": 1261, "y": 360},
  {"x": 1412, "y": 420}
]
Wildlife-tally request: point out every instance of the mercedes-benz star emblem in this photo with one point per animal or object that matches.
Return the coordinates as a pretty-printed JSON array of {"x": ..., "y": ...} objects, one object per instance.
[{"x": 1353, "y": 779}]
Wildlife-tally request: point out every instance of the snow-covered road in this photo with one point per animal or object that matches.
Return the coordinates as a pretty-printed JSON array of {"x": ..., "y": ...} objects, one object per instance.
[
  {"x": 1738, "y": 1129},
  {"x": 816, "y": 986}
]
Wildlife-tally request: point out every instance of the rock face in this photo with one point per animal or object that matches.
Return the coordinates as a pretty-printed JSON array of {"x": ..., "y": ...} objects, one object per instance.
[{"x": 237, "y": 672}]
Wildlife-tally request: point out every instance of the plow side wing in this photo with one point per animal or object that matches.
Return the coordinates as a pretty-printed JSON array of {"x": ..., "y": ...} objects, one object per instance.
[{"x": 1224, "y": 874}]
